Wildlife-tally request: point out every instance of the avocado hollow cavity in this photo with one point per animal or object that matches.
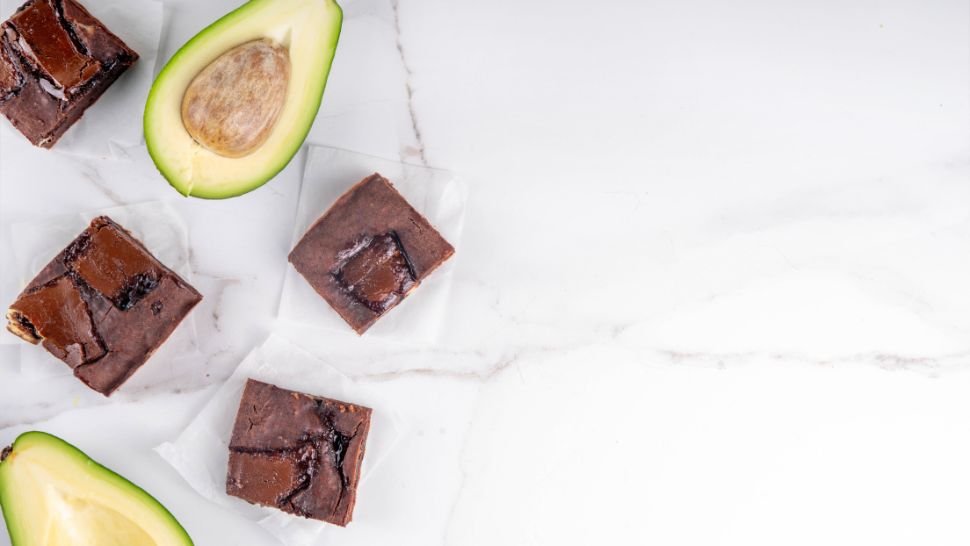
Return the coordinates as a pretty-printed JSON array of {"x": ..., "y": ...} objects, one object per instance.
[{"x": 232, "y": 105}]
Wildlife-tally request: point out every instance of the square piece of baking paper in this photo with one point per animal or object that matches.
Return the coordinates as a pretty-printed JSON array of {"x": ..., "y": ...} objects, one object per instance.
[
  {"x": 113, "y": 123},
  {"x": 163, "y": 232},
  {"x": 438, "y": 195},
  {"x": 201, "y": 452}
]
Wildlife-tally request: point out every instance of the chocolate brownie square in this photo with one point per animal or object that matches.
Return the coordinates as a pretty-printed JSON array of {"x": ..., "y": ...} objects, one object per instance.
[
  {"x": 103, "y": 306},
  {"x": 299, "y": 453},
  {"x": 56, "y": 60},
  {"x": 368, "y": 252}
]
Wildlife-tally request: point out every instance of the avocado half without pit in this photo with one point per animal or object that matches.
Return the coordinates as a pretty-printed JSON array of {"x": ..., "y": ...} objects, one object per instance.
[
  {"x": 235, "y": 103},
  {"x": 52, "y": 494}
]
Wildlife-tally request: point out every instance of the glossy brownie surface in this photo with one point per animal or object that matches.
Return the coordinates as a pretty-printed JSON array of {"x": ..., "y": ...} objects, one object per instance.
[
  {"x": 103, "y": 305},
  {"x": 368, "y": 252},
  {"x": 56, "y": 59},
  {"x": 299, "y": 453}
]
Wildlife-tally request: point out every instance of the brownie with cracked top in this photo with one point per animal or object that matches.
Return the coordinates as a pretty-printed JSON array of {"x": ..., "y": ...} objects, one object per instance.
[
  {"x": 368, "y": 252},
  {"x": 299, "y": 453},
  {"x": 56, "y": 60},
  {"x": 103, "y": 305}
]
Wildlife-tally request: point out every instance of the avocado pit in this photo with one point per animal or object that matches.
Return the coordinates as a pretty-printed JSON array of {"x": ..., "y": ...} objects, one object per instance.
[{"x": 232, "y": 105}]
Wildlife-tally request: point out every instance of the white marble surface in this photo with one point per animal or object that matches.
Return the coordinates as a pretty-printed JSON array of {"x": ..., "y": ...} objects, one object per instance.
[{"x": 711, "y": 289}]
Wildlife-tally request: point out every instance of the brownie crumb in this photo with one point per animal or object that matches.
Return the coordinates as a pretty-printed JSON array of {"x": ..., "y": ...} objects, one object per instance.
[
  {"x": 20, "y": 324},
  {"x": 77, "y": 248},
  {"x": 133, "y": 292}
]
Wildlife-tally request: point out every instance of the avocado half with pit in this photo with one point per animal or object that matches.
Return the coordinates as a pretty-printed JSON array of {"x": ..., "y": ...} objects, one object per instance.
[
  {"x": 235, "y": 103},
  {"x": 52, "y": 494}
]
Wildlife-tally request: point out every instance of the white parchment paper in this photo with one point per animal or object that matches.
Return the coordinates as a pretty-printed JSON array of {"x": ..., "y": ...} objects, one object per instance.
[
  {"x": 163, "y": 232},
  {"x": 438, "y": 195},
  {"x": 201, "y": 452},
  {"x": 114, "y": 122}
]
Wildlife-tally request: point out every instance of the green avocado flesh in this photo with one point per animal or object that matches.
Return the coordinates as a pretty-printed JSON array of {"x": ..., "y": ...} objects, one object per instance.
[
  {"x": 308, "y": 30},
  {"x": 52, "y": 494}
]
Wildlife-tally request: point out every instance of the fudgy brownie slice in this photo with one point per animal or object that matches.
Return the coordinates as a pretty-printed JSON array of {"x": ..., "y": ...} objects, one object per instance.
[
  {"x": 103, "y": 305},
  {"x": 299, "y": 453},
  {"x": 56, "y": 60},
  {"x": 368, "y": 252}
]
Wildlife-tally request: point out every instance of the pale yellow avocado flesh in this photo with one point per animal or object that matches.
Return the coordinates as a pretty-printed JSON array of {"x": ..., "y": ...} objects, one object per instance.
[
  {"x": 52, "y": 494},
  {"x": 309, "y": 29}
]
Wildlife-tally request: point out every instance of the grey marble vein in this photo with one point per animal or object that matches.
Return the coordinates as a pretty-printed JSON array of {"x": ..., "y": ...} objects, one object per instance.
[{"x": 407, "y": 83}]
